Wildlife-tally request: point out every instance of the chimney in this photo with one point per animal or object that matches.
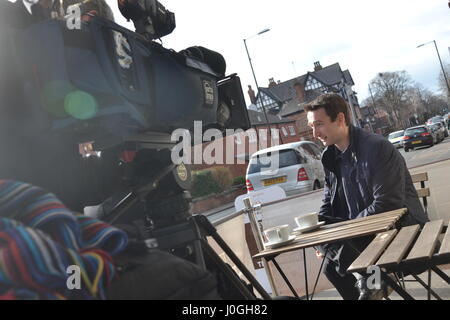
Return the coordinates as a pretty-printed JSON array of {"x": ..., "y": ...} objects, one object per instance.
[
  {"x": 300, "y": 91},
  {"x": 251, "y": 94},
  {"x": 317, "y": 66},
  {"x": 272, "y": 83}
]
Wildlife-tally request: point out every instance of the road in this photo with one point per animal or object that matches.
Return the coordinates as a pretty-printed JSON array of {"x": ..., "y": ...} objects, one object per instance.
[{"x": 426, "y": 155}]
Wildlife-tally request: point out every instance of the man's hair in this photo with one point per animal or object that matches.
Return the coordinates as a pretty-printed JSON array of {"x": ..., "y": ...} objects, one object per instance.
[{"x": 333, "y": 105}]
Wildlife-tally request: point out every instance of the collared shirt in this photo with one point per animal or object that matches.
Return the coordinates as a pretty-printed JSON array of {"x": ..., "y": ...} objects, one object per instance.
[{"x": 346, "y": 187}]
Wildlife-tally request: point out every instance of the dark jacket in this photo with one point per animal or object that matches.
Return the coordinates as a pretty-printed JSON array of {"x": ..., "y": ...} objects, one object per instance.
[{"x": 380, "y": 173}]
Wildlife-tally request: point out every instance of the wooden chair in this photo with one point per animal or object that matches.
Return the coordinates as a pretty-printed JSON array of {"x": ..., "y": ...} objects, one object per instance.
[
  {"x": 397, "y": 251},
  {"x": 422, "y": 192}
]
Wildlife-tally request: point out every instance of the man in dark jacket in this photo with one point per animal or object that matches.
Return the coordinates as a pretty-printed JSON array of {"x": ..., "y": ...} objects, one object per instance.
[{"x": 364, "y": 175}]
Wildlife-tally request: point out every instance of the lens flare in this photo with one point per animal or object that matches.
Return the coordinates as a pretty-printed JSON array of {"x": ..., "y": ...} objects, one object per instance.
[{"x": 80, "y": 105}]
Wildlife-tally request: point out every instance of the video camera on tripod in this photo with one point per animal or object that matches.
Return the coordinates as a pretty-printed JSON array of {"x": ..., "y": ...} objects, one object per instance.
[{"x": 126, "y": 93}]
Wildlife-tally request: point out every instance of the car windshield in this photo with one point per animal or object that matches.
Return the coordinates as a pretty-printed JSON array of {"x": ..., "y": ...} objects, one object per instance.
[
  {"x": 395, "y": 135},
  {"x": 263, "y": 161},
  {"x": 415, "y": 130}
]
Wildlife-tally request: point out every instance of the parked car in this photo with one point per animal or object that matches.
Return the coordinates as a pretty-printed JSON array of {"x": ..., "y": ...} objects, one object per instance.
[
  {"x": 438, "y": 119},
  {"x": 439, "y": 130},
  {"x": 447, "y": 119},
  {"x": 300, "y": 169},
  {"x": 396, "y": 138},
  {"x": 417, "y": 137}
]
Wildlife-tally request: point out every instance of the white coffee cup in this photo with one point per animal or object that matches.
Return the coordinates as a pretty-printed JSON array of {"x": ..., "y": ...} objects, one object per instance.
[
  {"x": 277, "y": 234},
  {"x": 307, "y": 220}
]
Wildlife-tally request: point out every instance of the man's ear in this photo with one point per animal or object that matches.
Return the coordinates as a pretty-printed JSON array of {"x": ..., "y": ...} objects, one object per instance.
[{"x": 341, "y": 119}]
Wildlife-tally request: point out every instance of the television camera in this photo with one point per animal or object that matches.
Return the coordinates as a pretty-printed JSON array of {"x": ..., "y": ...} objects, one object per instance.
[{"x": 123, "y": 93}]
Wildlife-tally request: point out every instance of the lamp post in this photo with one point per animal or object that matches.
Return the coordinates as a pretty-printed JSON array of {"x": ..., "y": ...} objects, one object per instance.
[
  {"x": 373, "y": 104},
  {"x": 253, "y": 71},
  {"x": 440, "y": 61}
]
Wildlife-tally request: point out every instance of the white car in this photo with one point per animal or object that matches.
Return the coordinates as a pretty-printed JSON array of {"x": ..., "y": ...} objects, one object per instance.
[
  {"x": 396, "y": 138},
  {"x": 300, "y": 169}
]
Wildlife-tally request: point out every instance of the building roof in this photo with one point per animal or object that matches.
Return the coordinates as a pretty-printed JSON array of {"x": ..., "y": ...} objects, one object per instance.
[
  {"x": 294, "y": 106},
  {"x": 329, "y": 75}
]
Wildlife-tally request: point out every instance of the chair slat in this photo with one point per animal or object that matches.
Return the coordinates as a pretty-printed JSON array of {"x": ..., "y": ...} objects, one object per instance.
[
  {"x": 372, "y": 251},
  {"x": 425, "y": 192},
  {"x": 419, "y": 177},
  {"x": 399, "y": 246},
  {"x": 425, "y": 244}
]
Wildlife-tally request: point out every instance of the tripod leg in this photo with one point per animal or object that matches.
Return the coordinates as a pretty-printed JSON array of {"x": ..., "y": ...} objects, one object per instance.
[
  {"x": 206, "y": 225},
  {"x": 226, "y": 270}
]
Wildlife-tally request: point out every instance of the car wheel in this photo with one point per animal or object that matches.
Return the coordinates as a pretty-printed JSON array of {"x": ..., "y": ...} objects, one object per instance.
[{"x": 406, "y": 150}]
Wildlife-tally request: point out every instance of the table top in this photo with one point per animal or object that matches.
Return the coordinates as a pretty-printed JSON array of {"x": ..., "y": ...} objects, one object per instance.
[{"x": 340, "y": 231}]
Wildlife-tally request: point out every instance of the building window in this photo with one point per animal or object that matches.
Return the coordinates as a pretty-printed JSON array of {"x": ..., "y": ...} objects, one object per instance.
[
  {"x": 283, "y": 129},
  {"x": 313, "y": 84},
  {"x": 291, "y": 130},
  {"x": 268, "y": 102}
]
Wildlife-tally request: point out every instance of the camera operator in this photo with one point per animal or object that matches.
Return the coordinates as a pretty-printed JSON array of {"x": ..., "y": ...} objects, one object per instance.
[{"x": 32, "y": 11}]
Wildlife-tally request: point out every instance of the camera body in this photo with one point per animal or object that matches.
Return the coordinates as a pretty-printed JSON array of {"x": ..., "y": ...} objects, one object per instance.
[{"x": 104, "y": 84}]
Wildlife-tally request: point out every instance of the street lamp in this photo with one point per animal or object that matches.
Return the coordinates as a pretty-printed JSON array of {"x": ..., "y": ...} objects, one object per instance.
[
  {"x": 373, "y": 106},
  {"x": 440, "y": 61},
  {"x": 253, "y": 71}
]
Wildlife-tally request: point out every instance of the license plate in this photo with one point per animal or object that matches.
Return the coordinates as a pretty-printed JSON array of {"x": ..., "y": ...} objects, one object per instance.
[
  {"x": 269, "y": 182},
  {"x": 416, "y": 142}
]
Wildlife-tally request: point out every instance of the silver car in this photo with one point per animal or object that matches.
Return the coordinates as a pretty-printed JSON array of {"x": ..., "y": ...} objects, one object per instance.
[
  {"x": 396, "y": 138},
  {"x": 299, "y": 169},
  {"x": 439, "y": 130}
]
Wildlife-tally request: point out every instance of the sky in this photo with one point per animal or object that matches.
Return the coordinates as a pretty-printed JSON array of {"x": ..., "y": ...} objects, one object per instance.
[{"x": 365, "y": 37}]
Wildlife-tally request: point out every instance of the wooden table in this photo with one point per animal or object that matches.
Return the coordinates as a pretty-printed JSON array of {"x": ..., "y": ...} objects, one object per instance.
[
  {"x": 407, "y": 250},
  {"x": 330, "y": 233}
]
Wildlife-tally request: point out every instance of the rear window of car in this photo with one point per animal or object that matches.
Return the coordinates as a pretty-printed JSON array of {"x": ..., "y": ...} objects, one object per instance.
[
  {"x": 415, "y": 130},
  {"x": 286, "y": 158},
  {"x": 395, "y": 135}
]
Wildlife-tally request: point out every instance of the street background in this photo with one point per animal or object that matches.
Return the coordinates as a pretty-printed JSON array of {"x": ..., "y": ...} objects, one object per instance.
[{"x": 433, "y": 160}]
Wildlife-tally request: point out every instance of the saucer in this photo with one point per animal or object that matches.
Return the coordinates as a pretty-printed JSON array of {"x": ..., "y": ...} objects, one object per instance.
[
  {"x": 306, "y": 229},
  {"x": 273, "y": 245}
]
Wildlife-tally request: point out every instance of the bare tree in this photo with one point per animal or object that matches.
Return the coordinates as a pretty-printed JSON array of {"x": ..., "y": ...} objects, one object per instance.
[
  {"x": 425, "y": 103},
  {"x": 391, "y": 90}
]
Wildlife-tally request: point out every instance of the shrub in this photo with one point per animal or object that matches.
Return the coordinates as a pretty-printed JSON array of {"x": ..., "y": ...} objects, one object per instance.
[
  {"x": 223, "y": 177},
  {"x": 204, "y": 184},
  {"x": 239, "y": 180}
]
